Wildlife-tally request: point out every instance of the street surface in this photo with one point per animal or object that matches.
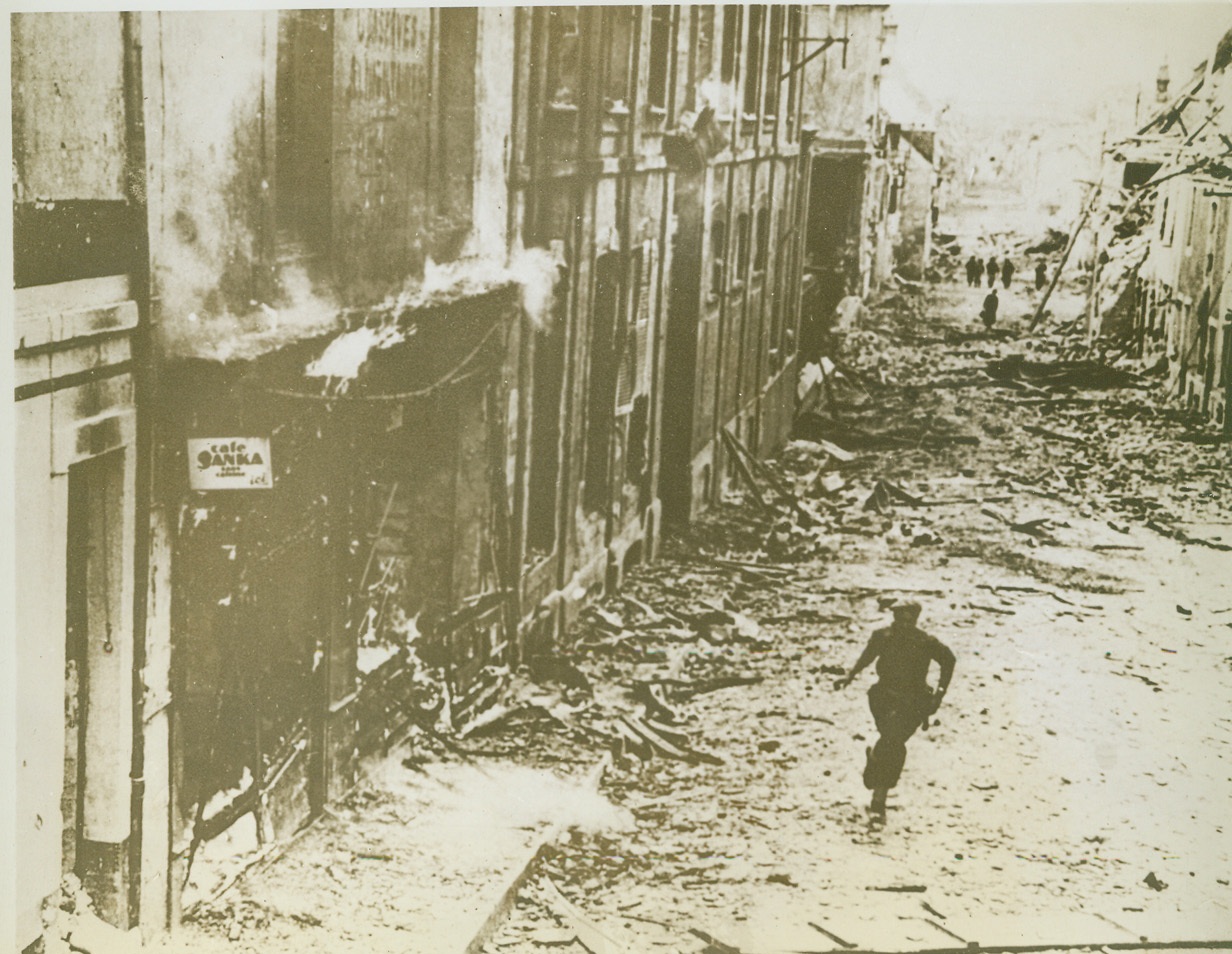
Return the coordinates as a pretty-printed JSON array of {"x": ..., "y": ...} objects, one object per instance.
[
  {"x": 1073, "y": 790},
  {"x": 1083, "y": 748}
]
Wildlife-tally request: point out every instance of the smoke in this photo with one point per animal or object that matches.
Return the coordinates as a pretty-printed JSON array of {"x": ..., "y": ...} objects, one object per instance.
[
  {"x": 537, "y": 270},
  {"x": 346, "y": 354},
  {"x": 224, "y": 335}
]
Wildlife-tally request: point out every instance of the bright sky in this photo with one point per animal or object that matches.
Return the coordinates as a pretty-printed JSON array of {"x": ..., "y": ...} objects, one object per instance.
[{"x": 1016, "y": 56}]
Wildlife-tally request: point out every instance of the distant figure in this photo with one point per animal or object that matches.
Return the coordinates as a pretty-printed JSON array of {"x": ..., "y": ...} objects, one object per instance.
[
  {"x": 974, "y": 270},
  {"x": 1007, "y": 272},
  {"x": 989, "y": 314},
  {"x": 901, "y": 700},
  {"x": 1041, "y": 274},
  {"x": 993, "y": 269}
]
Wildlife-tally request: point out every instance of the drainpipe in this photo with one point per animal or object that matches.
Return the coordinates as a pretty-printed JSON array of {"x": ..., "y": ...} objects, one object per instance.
[{"x": 144, "y": 399}]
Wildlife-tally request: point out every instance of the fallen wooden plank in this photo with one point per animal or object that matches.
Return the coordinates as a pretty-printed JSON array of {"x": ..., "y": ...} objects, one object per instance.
[
  {"x": 662, "y": 744},
  {"x": 947, "y": 501},
  {"x": 992, "y": 609},
  {"x": 703, "y": 686},
  {"x": 838, "y": 453},
  {"x": 1182, "y": 537},
  {"x": 832, "y": 936},
  {"x": 715, "y": 945},
  {"x": 589, "y": 934},
  {"x": 775, "y": 568},
  {"x": 1055, "y": 435}
]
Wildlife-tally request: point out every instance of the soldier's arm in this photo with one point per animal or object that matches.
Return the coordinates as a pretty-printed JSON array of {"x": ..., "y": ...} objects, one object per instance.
[
  {"x": 871, "y": 651},
  {"x": 944, "y": 657}
]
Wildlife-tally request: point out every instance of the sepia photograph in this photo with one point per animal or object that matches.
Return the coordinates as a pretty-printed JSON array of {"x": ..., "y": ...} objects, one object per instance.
[{"x": 614, "y": 479}]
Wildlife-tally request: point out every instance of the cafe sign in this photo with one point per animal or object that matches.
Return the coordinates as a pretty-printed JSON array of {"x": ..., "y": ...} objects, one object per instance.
[{"x": 229, "y": 463}]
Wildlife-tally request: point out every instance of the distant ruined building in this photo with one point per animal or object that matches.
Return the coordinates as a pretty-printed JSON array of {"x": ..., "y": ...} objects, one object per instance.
[
  {"x": 348, "y": 369},
  {"x": 1161, "y": 280}
]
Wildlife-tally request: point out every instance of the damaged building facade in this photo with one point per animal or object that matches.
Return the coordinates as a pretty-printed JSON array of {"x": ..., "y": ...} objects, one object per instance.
[
  {"x": 874, "y": 178},
  {"x": 852, "y": 197},
  {"x": 1164, "y": 254},
  {"x": 348, "y": 370}
]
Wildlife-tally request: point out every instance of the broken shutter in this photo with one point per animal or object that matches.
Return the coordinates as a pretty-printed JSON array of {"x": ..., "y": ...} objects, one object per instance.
[
  {"x": 632, "y": 377},
  {"x": 635, "y": 356}
]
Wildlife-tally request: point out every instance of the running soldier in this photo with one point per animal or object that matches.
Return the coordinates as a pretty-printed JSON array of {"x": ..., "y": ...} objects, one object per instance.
[{"x": 901, "y": 700}]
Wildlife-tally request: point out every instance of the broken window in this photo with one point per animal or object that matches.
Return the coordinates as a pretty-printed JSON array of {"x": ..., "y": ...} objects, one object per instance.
[
  {"x": 304, "y": 123},
  {"x": 752, "y": 72},
  {"x": 731, "y": 42},
  {"x": 621, "y": 23},
  {"x": 660, "y": 56}
]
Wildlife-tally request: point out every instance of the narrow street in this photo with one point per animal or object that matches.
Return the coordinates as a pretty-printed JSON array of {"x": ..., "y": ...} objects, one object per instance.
[
  {"x": 1082, "y": 748},
  {"x": 1072, "y": 790},
  {"x": 463, "y": 455}
]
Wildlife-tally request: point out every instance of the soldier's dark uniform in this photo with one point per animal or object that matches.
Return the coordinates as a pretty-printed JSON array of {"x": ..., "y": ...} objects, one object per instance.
[{"x": 901, "y": 700}]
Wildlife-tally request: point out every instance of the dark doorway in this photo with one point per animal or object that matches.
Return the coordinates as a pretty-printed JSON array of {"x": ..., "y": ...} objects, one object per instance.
[
  {"x": 832, "y": 245},
  {"x": 94, "y": 591},
  {"x": 679, "y": 379},
  {"x": 549, "y": 374},
  {"x": 601, "y": 393}
]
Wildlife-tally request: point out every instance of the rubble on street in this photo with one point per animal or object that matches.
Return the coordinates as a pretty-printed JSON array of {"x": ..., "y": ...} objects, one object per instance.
[
  {"x": 737, "y": 479},
  {"x": 1051, "y": 563}
]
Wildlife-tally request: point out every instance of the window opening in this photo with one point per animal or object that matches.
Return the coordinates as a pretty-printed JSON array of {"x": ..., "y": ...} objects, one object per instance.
[
  {"x": 562, "y": 56},
  {"x": 303, "y": 127},
  {"x": 660, "y": 56},
  {"x": 621, "y": 22},
  {"x": 456, "y": 119},
  {"x": 792, "y": 48},
  {"x": 703, "y": 48},
  {"x": 752, "y": 74},
  {"x": 731, "y": 42},
  {"x": 774, "y": 62}
]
